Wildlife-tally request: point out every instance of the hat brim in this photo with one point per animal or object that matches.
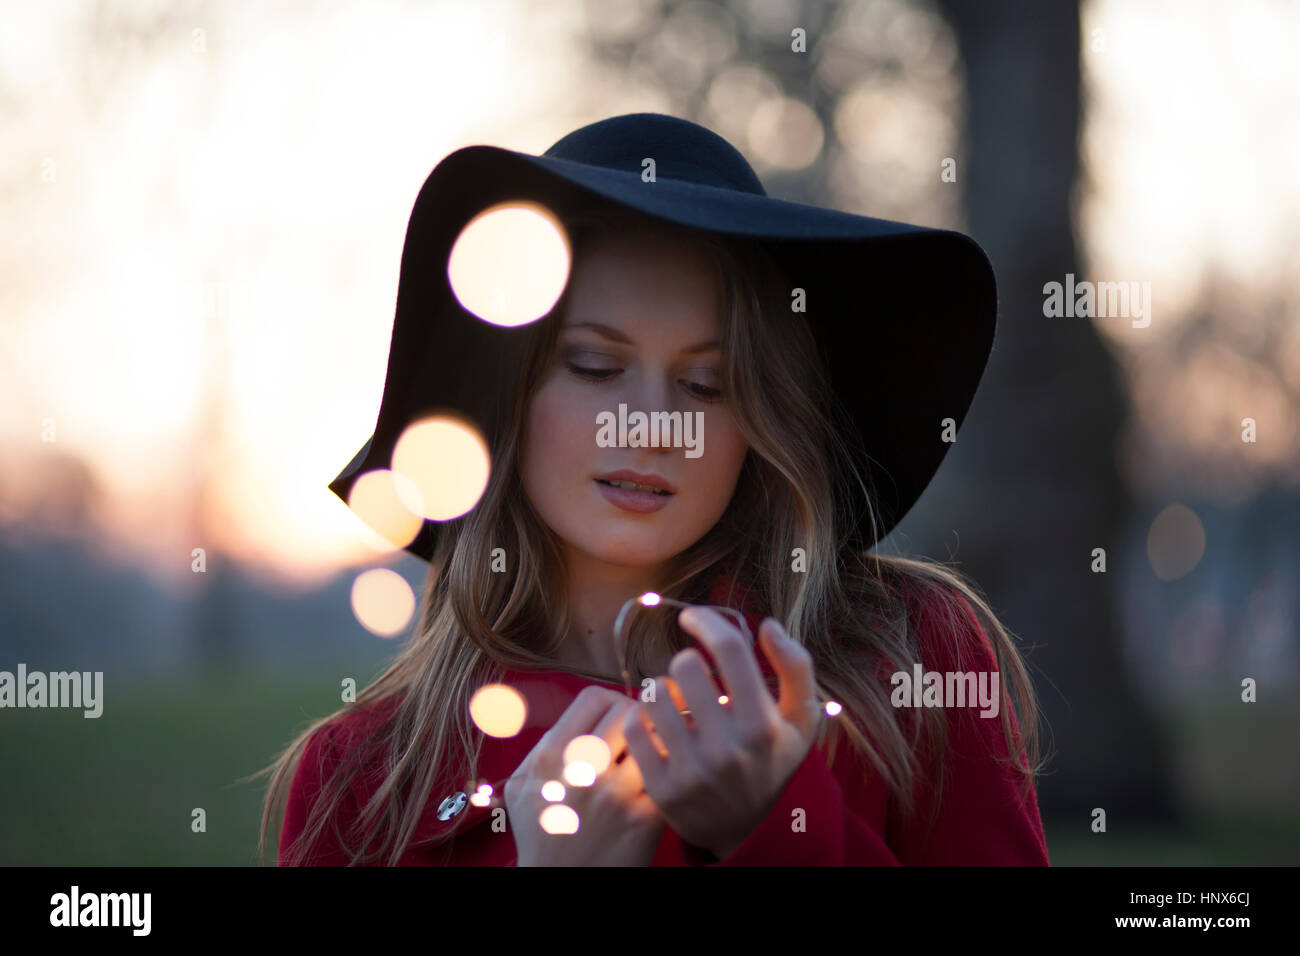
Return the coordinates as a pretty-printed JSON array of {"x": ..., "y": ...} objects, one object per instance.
[{"x": 905, "y": 315}]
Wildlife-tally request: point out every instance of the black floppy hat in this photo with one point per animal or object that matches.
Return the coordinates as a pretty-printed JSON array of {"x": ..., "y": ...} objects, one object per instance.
[{"x": 904, "y": 314}]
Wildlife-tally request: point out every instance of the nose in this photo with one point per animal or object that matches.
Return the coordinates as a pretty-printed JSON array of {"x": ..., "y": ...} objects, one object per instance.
[{"x": 657, "y": 391}]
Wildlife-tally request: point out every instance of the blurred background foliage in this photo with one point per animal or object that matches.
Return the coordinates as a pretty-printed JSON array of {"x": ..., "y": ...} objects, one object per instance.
[{"x": 205, "y": 208}]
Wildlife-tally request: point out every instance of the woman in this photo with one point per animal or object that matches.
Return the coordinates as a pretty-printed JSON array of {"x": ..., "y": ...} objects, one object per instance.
[{"x": 731, "y": 754}]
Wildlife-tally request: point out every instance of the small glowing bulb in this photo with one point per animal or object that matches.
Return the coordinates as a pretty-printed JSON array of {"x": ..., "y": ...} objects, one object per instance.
[
  {"x": 553, "y": 791},
  {"x": 649, "y": 599},
  {"x": 832, "y": 708},
  {"x": 485, "y": 788},
  {"x": 579, "y": 773},
  {"x": 480, "y": 799},
  {"x": 723, "y": 699}
]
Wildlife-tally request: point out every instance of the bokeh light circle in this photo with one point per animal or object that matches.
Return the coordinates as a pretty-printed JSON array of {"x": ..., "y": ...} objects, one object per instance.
[
  {"x": 498, "y": 710},
  {"x": 579, "y": 773},
  {"x": 447, "y": 461},
  {"x": 510, "y": 263},
  {"x": 380, "y": 499},
  {"x": 553, "y": 791},
  {"x": 382, "y": 601},
  {"x": 591, "y": 749},
  {"x": 1175, "y": 543},
  {"x": 559, "y": 818}
]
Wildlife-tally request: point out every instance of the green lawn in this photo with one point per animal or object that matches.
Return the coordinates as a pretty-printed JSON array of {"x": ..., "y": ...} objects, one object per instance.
[
  {"x": 120, "y": 790},
  {"x": 1215, "y": 840}
]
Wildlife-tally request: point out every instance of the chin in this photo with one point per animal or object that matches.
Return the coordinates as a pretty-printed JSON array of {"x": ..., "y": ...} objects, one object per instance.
[{"x": 628, "y": 553}]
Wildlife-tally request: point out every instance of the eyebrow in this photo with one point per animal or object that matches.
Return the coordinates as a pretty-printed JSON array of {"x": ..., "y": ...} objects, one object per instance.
[{"x": 609, "y": 332}]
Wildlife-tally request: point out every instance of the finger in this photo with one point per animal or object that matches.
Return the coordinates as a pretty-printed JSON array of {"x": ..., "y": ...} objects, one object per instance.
[
  {"x": 749, "y": 699},
  {"x": 610, "y": 728},
  {"x": 667, "y": 684},
  {"x": 641, "y": 715},
  {"x": 668, "y": 722},
  {"x": 797, "y": 683},
  {"x": 585, "y": 711},
  {"x": 625, "y": 778},
  {"x": 644, "y": 750},
  {"x": 643, "y": 808},
  {"x": 578, "y": 778},
  {"x": 699, "y": 693}
]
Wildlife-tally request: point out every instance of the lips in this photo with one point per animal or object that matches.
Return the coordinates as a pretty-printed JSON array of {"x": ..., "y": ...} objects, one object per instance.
[
  {"x": 630, "y": 491},
  {"x": 634, "y": 486},
  {"x": 635, "y": 481}
]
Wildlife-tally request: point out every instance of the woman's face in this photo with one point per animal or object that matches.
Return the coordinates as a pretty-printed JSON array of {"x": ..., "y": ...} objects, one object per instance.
[{"x": 655, "y": 350}]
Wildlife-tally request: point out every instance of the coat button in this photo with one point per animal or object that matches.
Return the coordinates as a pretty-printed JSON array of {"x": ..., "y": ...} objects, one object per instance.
[{"x": 451, "y": 806}]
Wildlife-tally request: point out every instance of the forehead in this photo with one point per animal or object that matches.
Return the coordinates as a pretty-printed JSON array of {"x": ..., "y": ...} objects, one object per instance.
[{"x": 636, "y": 279}]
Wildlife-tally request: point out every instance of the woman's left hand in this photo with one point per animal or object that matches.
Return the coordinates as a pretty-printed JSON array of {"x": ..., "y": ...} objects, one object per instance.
[{"x": 715, "y": 783}]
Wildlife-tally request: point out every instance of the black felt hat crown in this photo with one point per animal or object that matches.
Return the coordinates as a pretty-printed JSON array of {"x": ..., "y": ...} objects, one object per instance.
[{"x": 904, "y": 315}]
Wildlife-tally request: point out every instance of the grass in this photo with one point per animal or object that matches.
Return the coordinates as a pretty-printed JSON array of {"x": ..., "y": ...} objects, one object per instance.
[
  {"x": 120, "y": 790},
  {"x": 1219, "y": 839}
]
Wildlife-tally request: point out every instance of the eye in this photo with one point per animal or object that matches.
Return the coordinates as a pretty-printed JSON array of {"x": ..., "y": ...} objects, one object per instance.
[
  {"x": 596, "y": 374},
  {"x": 703, "y": 392}
]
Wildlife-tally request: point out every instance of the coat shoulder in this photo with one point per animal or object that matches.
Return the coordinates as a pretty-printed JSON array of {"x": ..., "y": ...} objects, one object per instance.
[{"x": 355, "y": 726}]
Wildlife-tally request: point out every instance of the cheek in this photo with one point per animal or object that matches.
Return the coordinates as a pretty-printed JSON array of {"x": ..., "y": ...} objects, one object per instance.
[
  {"x": 556, "y": 442},
  {"x": 724, "y": 456}
]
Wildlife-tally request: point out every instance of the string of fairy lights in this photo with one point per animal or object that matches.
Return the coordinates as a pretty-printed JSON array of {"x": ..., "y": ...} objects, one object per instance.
[{"x": 499, "y": 710}]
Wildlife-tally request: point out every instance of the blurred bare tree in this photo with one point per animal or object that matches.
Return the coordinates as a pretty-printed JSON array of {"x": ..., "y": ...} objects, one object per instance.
[
  {"x": 1051, "y": 418},
  {"x": 886, "y": 98}
]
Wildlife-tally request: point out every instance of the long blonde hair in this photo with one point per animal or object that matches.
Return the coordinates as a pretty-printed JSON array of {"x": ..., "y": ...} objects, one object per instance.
[{"x": 850, "y": 609}]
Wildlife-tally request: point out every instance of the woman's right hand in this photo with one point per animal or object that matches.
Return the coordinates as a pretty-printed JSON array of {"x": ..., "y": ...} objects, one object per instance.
[{"x": 618, "y": 823}]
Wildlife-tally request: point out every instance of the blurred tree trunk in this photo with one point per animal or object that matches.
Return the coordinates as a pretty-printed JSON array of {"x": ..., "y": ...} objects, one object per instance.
[
  {"x": 1039, "y": 443},
  {"x": 1048, "y": 417},
  {"x": 215, "y": 639}
]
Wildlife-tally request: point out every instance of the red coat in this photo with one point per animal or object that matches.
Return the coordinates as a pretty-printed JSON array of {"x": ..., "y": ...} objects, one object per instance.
[{"x": 848, "y": 818}]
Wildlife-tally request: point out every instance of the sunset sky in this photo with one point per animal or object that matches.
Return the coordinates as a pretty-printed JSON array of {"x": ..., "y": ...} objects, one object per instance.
[{"x": 204, "y": 215}]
